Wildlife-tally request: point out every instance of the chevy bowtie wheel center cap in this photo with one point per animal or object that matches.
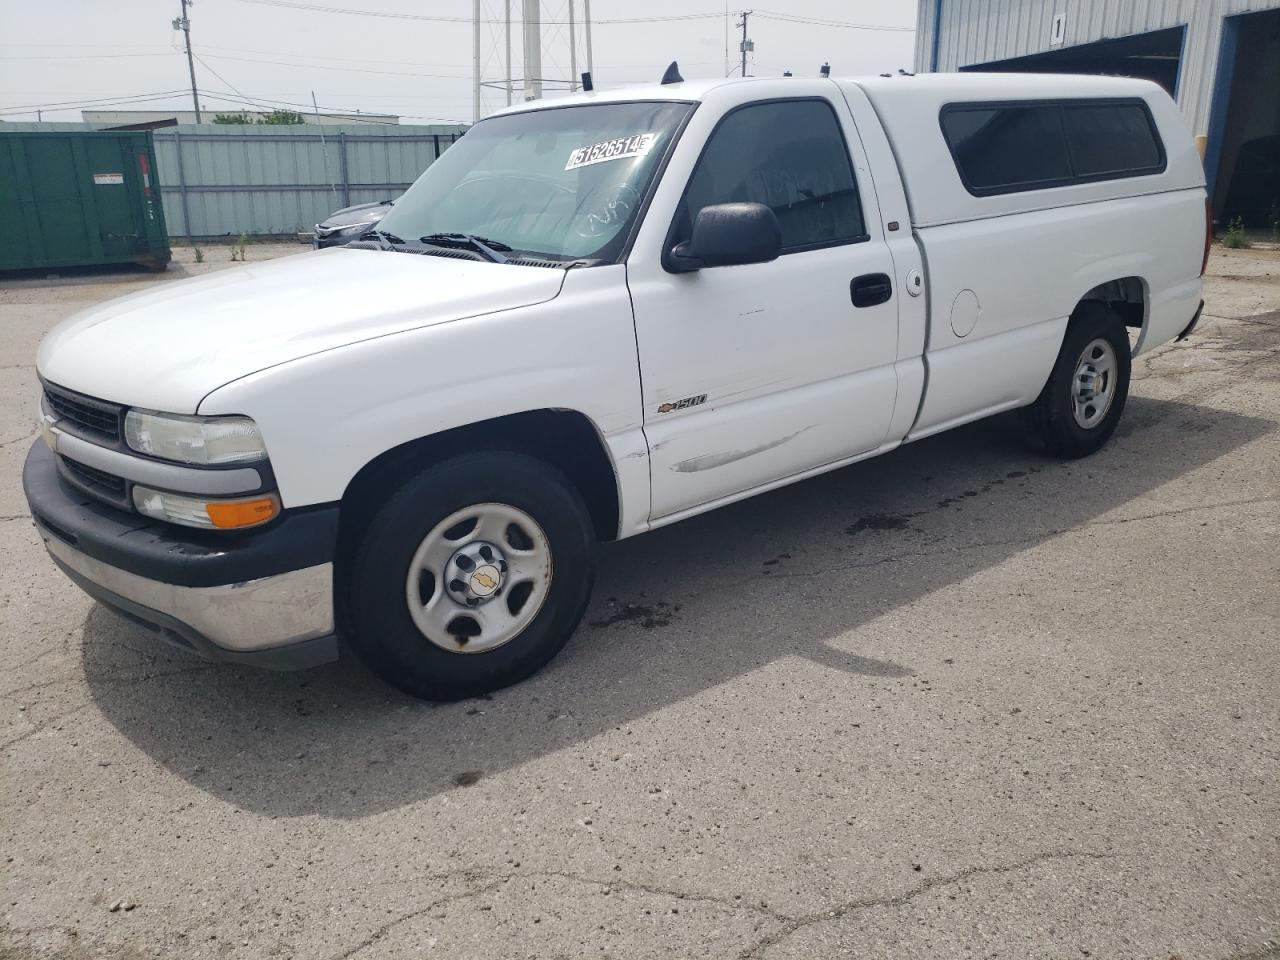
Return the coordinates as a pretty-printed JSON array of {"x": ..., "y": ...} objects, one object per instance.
[{"x": 476, "y": 573}]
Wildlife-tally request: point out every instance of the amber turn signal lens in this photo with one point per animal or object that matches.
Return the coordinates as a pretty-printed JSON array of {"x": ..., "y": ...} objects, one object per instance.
[{"x": 229, "y": 514}]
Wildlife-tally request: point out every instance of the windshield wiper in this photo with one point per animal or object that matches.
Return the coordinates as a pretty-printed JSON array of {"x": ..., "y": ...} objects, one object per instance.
[
  {"x": 482, "y": 245},
  {"x": 388, "y": 240}
]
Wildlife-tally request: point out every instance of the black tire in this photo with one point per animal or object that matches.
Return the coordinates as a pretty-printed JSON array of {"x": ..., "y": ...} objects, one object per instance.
[
  {"x": 376, "y": 611},
  {"x": 1051, "y": 420}
]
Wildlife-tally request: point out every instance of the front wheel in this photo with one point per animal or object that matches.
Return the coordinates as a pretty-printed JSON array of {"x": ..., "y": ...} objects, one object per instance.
[
  {"x": 1080, "y": 405},
  {"x": 471, "y": 576}
]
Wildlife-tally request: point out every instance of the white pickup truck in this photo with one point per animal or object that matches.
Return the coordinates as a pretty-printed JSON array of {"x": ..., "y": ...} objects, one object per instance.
[{"x": 593, "y": 317}]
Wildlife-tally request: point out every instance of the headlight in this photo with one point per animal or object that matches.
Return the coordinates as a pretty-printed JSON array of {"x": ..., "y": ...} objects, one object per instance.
[
  {"x": 354, "y": 228},
  {"x": 206, "y": 513},
  {"x": 205, "y": 441}
]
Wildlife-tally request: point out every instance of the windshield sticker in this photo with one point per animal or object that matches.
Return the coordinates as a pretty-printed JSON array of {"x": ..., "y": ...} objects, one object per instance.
[{"x": 619, "y": 149}]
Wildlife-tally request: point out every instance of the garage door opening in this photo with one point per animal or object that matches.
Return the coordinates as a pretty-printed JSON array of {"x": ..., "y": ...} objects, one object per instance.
[
  {"x": 1153, "y": 56},
  {"x": 1243, "y": 161}
]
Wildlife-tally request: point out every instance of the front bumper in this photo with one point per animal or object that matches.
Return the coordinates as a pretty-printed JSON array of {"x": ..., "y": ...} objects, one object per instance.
[{"x": 263, "y": 597}]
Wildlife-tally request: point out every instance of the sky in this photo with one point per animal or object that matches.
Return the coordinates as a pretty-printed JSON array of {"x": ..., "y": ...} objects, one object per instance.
[{"x": 394, "y": 56}]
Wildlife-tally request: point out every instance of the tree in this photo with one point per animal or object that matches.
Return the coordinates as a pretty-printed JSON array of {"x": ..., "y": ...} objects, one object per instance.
[
  {"x": 232, "y": 118},
  {"x": 281, "y": 118}
]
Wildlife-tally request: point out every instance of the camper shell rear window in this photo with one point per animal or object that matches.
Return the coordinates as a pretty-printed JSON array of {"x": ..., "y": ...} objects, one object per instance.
[{"x": 1019, "y": 145}]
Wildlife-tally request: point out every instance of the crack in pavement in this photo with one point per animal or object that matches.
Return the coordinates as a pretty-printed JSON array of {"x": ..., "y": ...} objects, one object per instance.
[
  {"x": 43, "y": 725},
  {"x": 390, "y": 925},
  {"x": 790, "y": 923},
  {"x": 637, "y": 887},
  {"x": 498, "y": 880},
  {"x": 30, "y": 436},
  {"x": 106, "y": 680},
  {"x": 840, "y": 911}
]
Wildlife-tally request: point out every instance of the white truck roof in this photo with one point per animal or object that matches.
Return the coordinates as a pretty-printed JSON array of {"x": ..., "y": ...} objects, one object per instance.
[{"x": 908, "y": 107}]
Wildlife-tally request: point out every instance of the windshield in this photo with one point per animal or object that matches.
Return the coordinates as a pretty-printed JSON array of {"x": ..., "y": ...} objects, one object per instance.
[{"x": 563, "y": 183}]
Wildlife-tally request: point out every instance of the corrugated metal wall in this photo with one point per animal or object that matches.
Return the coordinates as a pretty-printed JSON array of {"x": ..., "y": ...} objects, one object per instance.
[
  {"x": 228, "y": 180},
  {"x": 224, "y": 180},
  {"x": 982, "y": 31}
]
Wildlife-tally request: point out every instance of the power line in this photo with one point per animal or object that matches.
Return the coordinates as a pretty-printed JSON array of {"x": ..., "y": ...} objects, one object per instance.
[
  {"x": 218, "y": 75},
  {"x": 432, "y": 18},
  {"x": 435, "y": 18},
  {"x": 384, "y": 73},
  {"x": 101, "y": 101},
  {"x": 275, "y": 54},
  {"x": 316, "y": 66},
  {"x": 17, "y": 43},
  {"x": 814, "y": 21},
  {"x": 92, "y": 56}
]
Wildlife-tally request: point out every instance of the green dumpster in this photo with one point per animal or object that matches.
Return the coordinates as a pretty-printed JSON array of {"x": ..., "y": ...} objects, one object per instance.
[{"x": 73, "y": 199}]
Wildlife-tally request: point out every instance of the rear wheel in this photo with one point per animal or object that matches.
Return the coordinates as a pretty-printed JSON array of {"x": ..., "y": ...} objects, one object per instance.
[
  {"x": 471, "y": 576},
  {"x": 1080, "y": 405}
]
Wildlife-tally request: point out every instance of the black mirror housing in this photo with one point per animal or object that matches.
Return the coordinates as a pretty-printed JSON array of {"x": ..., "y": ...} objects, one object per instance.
[{"x": 728, "y": 234}]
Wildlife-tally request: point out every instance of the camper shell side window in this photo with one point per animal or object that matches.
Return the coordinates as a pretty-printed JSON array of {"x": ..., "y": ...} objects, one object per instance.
[{"x": 1021, "y": 145}]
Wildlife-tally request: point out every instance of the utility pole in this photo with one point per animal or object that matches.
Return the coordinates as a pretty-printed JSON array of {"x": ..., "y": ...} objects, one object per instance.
[
  {"x": 508, "y": 36},
  {"x": 475, "y": 55},
  {"x": 573, "y": 52},
  {"x": 532, "y": 49},
  {"x": 324, "y": 148},
  {"x": 726, "y": 37},
  {"x": 746, "y": 44},
  {"x": 183, "y": 23}
]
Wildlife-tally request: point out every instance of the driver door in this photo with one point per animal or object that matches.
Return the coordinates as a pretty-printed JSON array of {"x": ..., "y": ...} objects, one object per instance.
[{"x": 758, "y": 372}]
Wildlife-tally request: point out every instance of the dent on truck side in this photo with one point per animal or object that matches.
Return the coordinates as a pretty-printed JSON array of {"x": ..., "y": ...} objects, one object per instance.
[
  {"x": 712, "y": 460},
  {"x": 326, "y": 416}
]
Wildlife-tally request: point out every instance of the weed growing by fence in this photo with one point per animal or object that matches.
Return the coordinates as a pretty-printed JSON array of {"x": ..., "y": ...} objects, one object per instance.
[{"x": 1235, "y": 237}]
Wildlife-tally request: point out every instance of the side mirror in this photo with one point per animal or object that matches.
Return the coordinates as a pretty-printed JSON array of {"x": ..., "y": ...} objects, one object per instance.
[{"x": 726, "y": 234}]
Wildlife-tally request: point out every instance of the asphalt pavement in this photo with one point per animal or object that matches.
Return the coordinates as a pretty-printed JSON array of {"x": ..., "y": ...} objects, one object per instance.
[{"x": 958, "y": 701}]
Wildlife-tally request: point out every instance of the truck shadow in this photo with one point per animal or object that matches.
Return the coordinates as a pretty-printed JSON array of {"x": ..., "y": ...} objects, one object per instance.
[{"x": 676, "y": 613}]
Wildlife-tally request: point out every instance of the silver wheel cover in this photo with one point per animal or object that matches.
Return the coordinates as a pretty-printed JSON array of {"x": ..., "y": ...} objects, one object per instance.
[
  {"x": 1093, "y": 388},
  {"x": 478, "y": 578}
]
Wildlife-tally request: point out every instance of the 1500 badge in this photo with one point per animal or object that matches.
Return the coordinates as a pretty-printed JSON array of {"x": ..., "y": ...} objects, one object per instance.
[{"x": 683, "y": 404}]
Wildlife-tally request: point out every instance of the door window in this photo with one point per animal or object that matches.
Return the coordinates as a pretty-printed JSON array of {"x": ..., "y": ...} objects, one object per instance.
[{"x": 789, "y": 155}]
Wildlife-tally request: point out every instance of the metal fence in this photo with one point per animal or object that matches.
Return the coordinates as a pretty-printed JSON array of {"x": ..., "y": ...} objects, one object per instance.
[{"x": 218, "y": 180}]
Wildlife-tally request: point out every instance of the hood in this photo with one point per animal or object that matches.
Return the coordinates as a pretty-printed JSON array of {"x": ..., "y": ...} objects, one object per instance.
[
  {"x": 168, "y": 347},
  {"x": 360, "y": 213}
]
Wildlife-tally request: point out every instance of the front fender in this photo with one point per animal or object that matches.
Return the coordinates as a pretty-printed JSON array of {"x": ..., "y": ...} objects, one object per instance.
[{"x": 323, "y": 417}]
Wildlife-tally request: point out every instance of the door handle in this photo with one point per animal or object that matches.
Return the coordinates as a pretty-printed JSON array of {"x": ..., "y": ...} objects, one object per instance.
[{"x": 870, "y": 289}]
